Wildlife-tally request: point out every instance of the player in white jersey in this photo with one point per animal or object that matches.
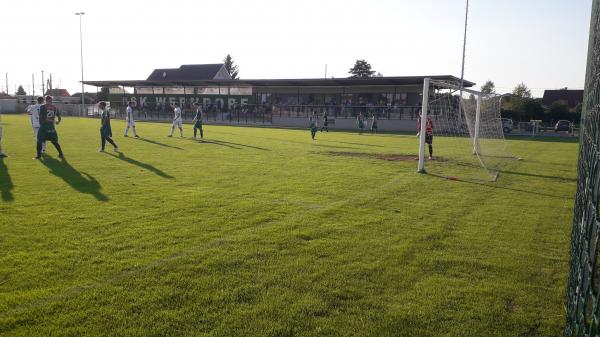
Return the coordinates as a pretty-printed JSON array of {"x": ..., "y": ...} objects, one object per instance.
[
  {"x": 177, "y": 121},
  {"x": 34, "y": 114},
  {"x": 130, "y": 120},
  {"x": 2, "y": 155}
]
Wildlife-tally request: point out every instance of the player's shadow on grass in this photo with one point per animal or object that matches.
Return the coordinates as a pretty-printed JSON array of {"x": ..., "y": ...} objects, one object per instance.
[
  {"x": 6, "y": 184},
  {"x": 232, "y": 145},
  {"x": 361, "y": 144},
  {"x": 145, "y": 166},
  {"x": 218, "y": 143},
  {"x": 80, "y": 181},
  {"x": 337, "y": 146},
  {"x": 158, "y": 143}
]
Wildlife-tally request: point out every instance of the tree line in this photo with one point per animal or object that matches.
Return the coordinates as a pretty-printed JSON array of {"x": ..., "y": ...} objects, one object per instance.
[{"x": 520, "y": 105}]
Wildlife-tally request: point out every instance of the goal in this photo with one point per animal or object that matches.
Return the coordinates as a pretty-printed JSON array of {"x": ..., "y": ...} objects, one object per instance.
[{"x": 468, "y": 133}]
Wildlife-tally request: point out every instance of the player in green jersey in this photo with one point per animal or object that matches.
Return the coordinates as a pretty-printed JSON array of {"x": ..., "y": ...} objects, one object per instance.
[
  {"x": 49, "y": 116},
  {"x": 313, "y": 124},
  {"x": 198, "y": 120},
  {"x": 105, "y": 129}
]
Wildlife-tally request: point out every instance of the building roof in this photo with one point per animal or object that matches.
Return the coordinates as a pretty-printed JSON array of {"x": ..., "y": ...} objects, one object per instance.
[
  {"x": 57, "y": 93},
  {"x": 570, "y": 97},
  {"x": 187, "y": 72},
  {"x": 304, "y": 82}
]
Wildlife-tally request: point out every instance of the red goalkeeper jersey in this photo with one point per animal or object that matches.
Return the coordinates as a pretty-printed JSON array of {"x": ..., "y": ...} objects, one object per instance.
[{"x": 428, "y": 126}]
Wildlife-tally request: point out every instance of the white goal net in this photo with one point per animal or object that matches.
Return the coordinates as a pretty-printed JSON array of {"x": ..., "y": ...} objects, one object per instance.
[{"x": 468, "y": 137}]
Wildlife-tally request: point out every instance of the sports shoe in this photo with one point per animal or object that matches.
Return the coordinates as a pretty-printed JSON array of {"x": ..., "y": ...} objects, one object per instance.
[
  {"x": 37, "y": 157},
  {"x": 61, "y": 156},
  {"x": 117, "y": 150},
  {"x": 100, "y": 150},
  {"x": 136, "y": 136},
  {"x": 2, "y": 155},
  {"x": 125, "y": 136},
  {"x": 170, "y": 136}
]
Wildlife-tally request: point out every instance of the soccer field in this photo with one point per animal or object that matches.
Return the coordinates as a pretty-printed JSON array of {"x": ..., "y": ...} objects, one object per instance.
[{"x": 263, "y": 232}]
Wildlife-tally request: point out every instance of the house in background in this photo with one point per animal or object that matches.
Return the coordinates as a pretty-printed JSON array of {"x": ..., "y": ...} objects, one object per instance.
[
  {"x": 55, "y": 93},
  {"x": 571, "y": 98},
  {"x": 189, "y": 72}
]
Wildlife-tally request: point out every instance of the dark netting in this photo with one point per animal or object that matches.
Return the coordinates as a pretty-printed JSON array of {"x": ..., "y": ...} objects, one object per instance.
[{"x": 583, "y": 311}]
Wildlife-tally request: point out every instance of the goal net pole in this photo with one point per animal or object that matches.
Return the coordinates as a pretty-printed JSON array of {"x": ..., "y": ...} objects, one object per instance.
[
  {"x": 477, "y": 124},
  {"x": 423, "y": 126}
]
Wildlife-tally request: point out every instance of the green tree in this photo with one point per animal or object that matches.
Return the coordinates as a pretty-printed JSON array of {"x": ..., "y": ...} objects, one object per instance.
[
  {"x": 231, "y": 67},
  {"x": 532, "y": 108},
  {"x": 521, "y": 91},
  {"x": 21, "y": 91},
  {"x": 361, "y": 69},
  {"x": 488, "y": 88},
  {"x": 558, "y": 109}
]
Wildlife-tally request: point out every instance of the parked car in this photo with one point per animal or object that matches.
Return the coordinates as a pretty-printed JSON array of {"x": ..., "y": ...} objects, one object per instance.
[
  {"x": 562, "y": 125},
  {"x": 507, "y": 125}
]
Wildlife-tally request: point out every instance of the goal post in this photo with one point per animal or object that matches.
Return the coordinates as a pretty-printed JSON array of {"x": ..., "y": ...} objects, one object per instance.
[
  {"x": 423, "y": 126},
  {"x": 468, "y": 130}
]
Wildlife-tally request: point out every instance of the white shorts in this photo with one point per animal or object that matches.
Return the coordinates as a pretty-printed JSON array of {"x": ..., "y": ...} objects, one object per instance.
[
  {"x": 131, "y": 123},
  {"x": 177, "y": 123}
]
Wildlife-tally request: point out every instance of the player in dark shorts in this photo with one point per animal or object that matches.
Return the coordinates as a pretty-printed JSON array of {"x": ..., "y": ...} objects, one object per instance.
[
  {"x": 105, "y": 129},
  {"x": 47, "y": 132},
  {"x": 325, "y": 123},
  {"x": 313, "y": 124},
  {"x": 361, "y": 122},
  {"x": 198, "y": 120},
  {"x": 374, "y": 124},
  {"x": 428, "y": 133}
]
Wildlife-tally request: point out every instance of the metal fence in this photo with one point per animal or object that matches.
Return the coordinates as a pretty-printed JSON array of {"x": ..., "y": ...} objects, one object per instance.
[{"x": 583, "y": 310}]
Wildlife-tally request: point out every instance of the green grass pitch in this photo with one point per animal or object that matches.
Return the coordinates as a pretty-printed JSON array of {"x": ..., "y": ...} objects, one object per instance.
[{"x": 263, "y": 232}]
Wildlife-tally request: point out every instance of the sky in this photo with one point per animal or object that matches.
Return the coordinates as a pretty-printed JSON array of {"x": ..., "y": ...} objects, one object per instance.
[{"x": 542, "y": 43}]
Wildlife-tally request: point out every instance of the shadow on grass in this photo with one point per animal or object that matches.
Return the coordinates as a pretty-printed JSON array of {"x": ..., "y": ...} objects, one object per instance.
[
  {"x": 496, "y": 186},
  {"x": 145, "y": 166},
  {"x": 158, "y": 143},
  {"x": 546, "y": 139},
  {"x": 231, "y": 144},
  {"x": 6, "y": 184},
  {"x": 336, "y": 146},
  {"x": 217, "y": 143},
  {"x": 362, "y": 144},
  {"x": 540, "y": 176},
  {"x": 80, "y": 181}
]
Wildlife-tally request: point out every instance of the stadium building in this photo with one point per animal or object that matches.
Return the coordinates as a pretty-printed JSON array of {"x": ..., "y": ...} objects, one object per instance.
[{"x": 281, "y": 102}]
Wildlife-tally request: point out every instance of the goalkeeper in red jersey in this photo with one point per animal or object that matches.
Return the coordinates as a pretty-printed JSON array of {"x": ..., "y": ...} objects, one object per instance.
[{"x": 428, "y": 133}]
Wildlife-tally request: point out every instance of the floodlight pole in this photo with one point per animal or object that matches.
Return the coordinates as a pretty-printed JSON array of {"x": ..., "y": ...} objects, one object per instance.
[
  {"x": 423, "y": 126},
  {"x": 462, "y": 69},
  {"x": 80, "y": 14}
]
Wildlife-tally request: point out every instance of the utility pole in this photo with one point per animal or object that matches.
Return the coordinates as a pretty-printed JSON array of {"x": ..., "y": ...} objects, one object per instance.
[{"x": 43, "y": 85}]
